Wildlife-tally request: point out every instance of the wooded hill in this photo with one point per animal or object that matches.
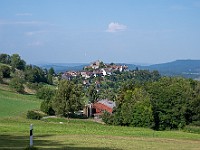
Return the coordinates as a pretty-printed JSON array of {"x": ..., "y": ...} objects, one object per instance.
[{"x": 185, "y": 68}]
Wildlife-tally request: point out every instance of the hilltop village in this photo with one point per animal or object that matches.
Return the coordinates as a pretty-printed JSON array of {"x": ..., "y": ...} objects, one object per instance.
[{"x": 95, "y": 69}]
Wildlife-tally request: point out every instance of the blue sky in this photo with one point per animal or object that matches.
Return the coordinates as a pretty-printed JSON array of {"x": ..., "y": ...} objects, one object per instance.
[{"x": 81, "y": 31}]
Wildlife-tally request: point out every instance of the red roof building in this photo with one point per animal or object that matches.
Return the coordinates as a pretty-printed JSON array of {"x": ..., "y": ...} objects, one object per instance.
[{"x": 103, "y": 105}]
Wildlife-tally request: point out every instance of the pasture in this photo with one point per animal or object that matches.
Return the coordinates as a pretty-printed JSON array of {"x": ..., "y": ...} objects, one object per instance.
[{"x": 74, "y": 134}]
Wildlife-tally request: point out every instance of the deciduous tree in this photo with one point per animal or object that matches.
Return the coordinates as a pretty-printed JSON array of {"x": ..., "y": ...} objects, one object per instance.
[
  {"x": 5, "y": 58},
  {"x": 68, "y": 98},
  {"x": 17, "y": 62}
]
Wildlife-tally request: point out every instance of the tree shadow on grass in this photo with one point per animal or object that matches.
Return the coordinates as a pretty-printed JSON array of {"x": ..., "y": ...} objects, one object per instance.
[
  {"x": 21, "y": 142},
  {"x": 12, "y": 142}
]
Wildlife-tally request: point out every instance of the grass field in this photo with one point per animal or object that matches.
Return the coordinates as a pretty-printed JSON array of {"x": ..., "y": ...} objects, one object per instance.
[
  {"x": 71, "y": 134},
  {"x": 12, "y": 104}
]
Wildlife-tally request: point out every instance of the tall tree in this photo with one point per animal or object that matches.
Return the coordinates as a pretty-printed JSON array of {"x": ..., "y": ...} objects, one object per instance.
[
  {"x": 170, "y": 98},
  {"x": 68, "y": 98},
  {"x": 34, "y": 74},
  {"x": 17, "y": 62},
  {"x": 134, "y": 108},
  {"x": 92, "y": 93},
  {"x": 51, "y": 71},
  {"x": 5, "y": 70},
  {"x": 47, "y": 95},
  {"x": 5, "y": 58}
]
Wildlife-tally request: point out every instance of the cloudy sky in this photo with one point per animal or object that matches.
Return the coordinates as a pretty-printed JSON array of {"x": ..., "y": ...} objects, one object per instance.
[{"x": 81, "y": 31}]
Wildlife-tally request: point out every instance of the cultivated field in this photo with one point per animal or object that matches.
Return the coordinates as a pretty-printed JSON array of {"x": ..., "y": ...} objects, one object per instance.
[{"x": 71, "y": 134}]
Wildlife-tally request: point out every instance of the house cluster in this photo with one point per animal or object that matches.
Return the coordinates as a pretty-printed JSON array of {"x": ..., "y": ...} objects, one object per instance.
[{"x": 97, "y": 68}]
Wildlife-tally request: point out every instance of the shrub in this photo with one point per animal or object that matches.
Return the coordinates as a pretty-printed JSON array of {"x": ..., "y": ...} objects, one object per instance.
[
  {"x": 77, "y": 115},
  {"x": 31, "y": 114},
  {"x": 17, "y": 84},
  {"x": 45, "y": 93},
  {"x": 34, "y": 86},
  {"x": 192, "y": 129},
  {"x": 46, "y": 106},
  {"x": 107, "y": 118}
]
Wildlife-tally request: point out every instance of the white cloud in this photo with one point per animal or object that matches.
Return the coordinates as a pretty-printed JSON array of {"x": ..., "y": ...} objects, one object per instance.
[
  {"x": 23, "y": 14},
  {"x": 115, "y": 27}
]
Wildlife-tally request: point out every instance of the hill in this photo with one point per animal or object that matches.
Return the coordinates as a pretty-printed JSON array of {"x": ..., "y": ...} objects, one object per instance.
[{"x": 185, "y": 68}]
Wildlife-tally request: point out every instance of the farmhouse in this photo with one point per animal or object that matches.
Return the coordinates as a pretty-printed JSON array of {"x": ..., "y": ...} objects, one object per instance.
[
  {"x": 97, "y": 109},
  {"x": 103, "y": 105}
]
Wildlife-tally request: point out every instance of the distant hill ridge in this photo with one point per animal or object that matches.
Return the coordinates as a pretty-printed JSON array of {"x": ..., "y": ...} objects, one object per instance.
[
  {"x": 62, "y": 67},
  {"x": 187, "y": 68}
]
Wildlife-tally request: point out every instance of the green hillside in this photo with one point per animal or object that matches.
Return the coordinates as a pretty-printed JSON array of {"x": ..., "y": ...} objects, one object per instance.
[{"x": 14, "y": 104}]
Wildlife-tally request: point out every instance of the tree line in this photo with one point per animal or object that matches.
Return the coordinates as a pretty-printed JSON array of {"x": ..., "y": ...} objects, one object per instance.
[
  {"x": 168, "y": 103},
  {"x": 15, "y": 68}
]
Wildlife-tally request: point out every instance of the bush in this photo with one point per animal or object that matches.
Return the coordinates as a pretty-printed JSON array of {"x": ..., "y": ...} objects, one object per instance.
[
  {"x": 17, "y": 84},
  {"x": 46, "y": 107},
  {"x": 34, "y": 86},
  {"x": 31, "y": 114},
  {"x": 192, "y": 129},
  {"x": 107, "y": 118},
  {"x": 45, "y": 93},
  {"x": 77, "y": 115}
]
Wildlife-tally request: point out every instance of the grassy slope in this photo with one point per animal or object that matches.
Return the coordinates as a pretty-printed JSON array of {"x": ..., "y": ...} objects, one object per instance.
[
  {"x": 79, "y": 134},
  {"x": 14, "y": 104}
]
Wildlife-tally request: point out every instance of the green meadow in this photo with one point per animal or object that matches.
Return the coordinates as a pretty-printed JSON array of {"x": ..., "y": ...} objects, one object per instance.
[
  {"x": 13, "y": 104},
  {"x": 75, "y": 134}
]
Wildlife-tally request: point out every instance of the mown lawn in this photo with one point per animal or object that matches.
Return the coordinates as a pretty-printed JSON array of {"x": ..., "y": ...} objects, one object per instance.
[
  {"x": 74, "y": 134},
  {"x": 85, "y": 134}
]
